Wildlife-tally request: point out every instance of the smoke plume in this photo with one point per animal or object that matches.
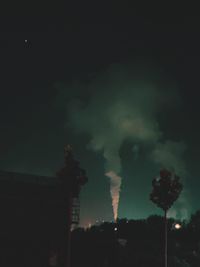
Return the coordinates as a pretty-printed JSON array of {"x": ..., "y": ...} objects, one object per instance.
[
  {"x": 170, "y": 155},
  {"x": 115, "y": 184},
  {"x": 118, "y": 105}
]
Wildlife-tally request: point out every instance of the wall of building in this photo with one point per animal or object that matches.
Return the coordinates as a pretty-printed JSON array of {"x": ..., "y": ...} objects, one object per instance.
[{"x": 34, "y": 220}]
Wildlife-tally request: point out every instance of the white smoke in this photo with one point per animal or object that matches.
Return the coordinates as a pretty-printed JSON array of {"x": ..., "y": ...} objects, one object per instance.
[
  {"x": 115, "y": 185},
  {"x": 122, "y": 104},
  {"x": 170, "y": 155}
]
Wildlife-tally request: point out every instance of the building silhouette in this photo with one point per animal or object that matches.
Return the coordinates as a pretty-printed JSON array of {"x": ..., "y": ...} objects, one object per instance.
[{"x": 36, "y": 215}]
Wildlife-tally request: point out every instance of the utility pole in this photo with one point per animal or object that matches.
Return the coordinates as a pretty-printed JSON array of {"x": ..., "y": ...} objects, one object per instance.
[{"x": 165, "y": 219}]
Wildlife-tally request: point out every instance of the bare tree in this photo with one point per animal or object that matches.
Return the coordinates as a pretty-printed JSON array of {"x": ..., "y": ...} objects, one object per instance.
[{"x": 166, "y": 190}]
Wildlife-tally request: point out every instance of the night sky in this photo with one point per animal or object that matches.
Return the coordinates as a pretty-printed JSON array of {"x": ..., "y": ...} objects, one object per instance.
[{"x": 121, "y": 86}]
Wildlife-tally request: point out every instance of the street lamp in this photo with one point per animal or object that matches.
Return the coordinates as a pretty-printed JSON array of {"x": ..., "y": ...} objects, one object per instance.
[{"x": 177, "y": 226}]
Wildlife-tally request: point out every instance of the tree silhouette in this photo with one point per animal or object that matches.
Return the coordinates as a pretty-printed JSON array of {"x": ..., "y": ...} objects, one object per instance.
[{"x": 166, "y": 190}]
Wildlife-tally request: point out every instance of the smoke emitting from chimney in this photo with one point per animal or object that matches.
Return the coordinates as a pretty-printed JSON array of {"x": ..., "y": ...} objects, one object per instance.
[
  {"x": 115, "y": 185},
  {"x": 123, "y": 104}
]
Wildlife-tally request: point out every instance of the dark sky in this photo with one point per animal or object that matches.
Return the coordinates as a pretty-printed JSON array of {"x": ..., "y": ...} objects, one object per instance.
[{"x": 64, "y": 85}]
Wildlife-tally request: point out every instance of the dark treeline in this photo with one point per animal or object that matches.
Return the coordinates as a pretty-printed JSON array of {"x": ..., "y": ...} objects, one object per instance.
[{"x": 137, "y": 243}]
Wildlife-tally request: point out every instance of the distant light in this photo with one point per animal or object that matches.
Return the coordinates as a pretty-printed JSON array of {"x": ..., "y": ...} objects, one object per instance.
[
  {"x": 177, "y": 226},
  {"x": 25, "y": 40},
  {"x": 115, "y": 229}
]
